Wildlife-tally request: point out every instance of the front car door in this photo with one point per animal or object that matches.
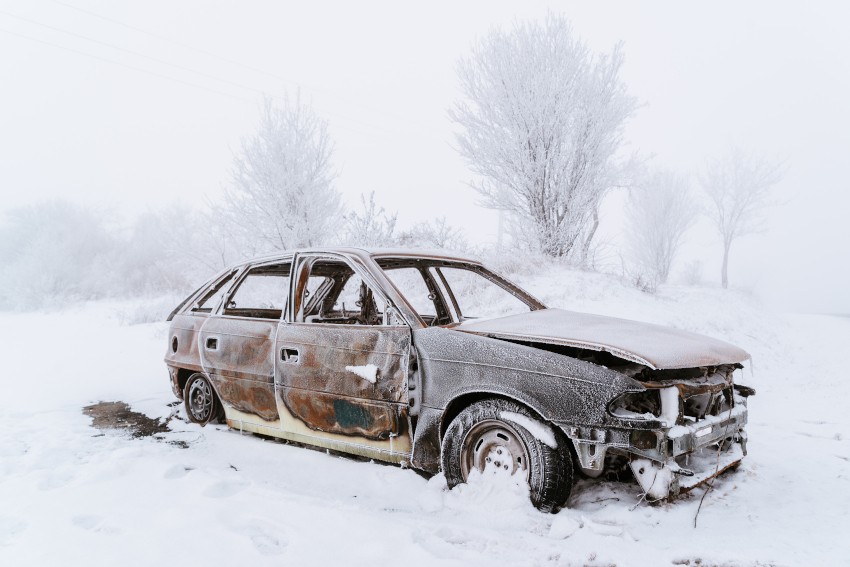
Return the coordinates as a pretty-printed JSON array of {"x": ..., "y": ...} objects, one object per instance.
[{"x": 342, "y": 362}]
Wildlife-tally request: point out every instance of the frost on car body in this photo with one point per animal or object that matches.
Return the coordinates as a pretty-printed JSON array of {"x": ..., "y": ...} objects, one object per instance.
[{"x": 385, "y": 354}]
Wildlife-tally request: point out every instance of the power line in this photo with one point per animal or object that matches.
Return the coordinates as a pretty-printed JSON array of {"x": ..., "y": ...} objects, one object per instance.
[
  {"x": 189, "y": 69},
  {"x": 226, "y": 59},
  {"x": 120, "y": 64},
  {"x": 167, "y": 77},
  {"x": 173, "y": 41},
  {"x": 130, "y": 51},
  {"x": 376, "y": 131}
]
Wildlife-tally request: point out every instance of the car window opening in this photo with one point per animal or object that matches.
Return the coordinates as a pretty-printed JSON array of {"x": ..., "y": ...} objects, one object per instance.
[
  {"x": 456, "y": 291},
  {"x": 335, "y": 294},
  {"x": 261, "y": 294},
  {"x": 209, "y": 301}
]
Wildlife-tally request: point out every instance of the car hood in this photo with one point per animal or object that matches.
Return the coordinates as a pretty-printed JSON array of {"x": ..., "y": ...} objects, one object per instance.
[{"x": 655, "y": 346}]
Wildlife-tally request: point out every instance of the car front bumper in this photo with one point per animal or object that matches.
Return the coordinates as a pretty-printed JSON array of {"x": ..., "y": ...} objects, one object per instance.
[
  {"x": 667, "y": 461},
  {"x": 693, "y": 454}
]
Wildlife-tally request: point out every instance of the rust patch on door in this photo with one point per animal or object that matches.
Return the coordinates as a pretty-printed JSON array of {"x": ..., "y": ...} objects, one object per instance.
[
  {"x": 248, "y": 396},
  {"x": 239, "y": 355},
  {"x": 332, "y": 413}
]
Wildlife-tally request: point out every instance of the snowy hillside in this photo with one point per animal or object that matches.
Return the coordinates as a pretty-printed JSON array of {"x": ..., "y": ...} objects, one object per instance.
[{"x": 75, "y": 495}]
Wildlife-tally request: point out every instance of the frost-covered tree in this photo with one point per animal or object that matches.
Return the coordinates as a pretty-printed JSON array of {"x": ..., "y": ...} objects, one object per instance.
[
  {"x": 541, "y": 123},
  {"x": 281, "y": 193},
  {"x": 659, "y": 210},
  {"x": 177, "y": 248},
  {"x": 54, "y": 251},
  {"x": 739, "y": 189},
  {"x": 436, "y": 233},
  {"x": 371, "y": 225}
]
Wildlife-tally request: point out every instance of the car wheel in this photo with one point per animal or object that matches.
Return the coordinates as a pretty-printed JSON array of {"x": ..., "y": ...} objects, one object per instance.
[
  {"x": 202, "y": 405},
  {"x": 493, "y": 435}
]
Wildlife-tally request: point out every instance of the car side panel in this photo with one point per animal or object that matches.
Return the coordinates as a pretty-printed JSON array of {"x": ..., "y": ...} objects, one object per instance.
[
  {"x": 184, "y": 329},
  {"x": 241, "y": 365}
]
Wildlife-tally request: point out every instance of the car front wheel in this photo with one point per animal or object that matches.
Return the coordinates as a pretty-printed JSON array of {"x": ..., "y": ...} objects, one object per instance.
[
  {"x": 202, "y": 405},
  {"x": 502, "y": 437}
]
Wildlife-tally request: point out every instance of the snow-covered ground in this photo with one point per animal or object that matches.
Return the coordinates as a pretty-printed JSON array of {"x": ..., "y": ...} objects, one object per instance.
[{"x": 72, "y": 495}]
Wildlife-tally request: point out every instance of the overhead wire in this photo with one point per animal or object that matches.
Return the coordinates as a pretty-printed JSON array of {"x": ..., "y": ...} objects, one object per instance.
[
  {"x": 120, "y": 64},
  {"x": 181, "y": 81},
  {"x": 379, "y": 132},
  {"x": 170, "y": 40},
  {"x": 130, "y": 51},
  {"x": 167, "y": 77},
  {"x": 228, "y": 60}
]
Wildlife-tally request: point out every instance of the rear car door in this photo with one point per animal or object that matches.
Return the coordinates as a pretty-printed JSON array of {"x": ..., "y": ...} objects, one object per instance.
[
  {"x": 237, "y": 345},
  {"x": 343, "y": 360}
]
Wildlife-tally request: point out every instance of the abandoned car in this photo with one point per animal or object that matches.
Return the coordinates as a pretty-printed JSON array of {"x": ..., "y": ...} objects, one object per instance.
[{"x": 435, "y": 362}]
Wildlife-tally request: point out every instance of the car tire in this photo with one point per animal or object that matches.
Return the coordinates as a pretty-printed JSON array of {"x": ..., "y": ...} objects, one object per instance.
[
  {"x": 482, "y": 436},
  {"x": 200, "y": 400}
]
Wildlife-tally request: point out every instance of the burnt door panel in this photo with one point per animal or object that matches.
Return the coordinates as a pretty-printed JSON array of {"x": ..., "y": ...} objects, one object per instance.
[
  {"x": 349, "y": 380},
  {"x": 238, "y": 355}
]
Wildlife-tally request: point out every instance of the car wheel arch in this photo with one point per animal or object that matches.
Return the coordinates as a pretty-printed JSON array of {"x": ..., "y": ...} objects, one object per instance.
[
  {"x": 549, "y": 492},
  {"x": 183, "y": 375},
  {"x": 463, "y": 401}
]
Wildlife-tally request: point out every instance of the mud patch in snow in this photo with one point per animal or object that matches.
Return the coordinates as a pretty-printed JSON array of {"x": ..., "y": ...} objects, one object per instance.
[{"x": 118, "y": 415}]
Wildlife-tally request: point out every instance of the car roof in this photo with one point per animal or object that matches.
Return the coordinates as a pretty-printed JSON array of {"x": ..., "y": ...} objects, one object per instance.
[{"x": 376, "y": 253}]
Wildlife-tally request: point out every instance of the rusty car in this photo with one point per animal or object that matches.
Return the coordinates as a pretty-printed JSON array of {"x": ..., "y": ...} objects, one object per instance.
[{"x": 433, "y": 361}]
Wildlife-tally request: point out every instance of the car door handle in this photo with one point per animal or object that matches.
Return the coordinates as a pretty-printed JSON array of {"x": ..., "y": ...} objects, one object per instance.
[
  {"x": 212, "y": 343},
  {"x": 289, "y": 354}
]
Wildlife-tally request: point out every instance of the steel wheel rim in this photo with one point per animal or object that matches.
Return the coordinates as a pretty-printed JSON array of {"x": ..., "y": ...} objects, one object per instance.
[
  {"x": 200, "y": 399},
  {"x": 493, "y": 445}
]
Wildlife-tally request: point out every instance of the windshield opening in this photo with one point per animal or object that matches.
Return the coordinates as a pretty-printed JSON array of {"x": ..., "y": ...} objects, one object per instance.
[{"x": 445, "y": 292}]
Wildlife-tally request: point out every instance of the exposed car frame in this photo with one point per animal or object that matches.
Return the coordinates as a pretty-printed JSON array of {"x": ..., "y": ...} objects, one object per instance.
[{"x": 566, "y": 390}]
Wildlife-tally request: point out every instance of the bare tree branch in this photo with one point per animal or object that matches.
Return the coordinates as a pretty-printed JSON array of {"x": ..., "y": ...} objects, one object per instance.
[
  {"x": 660, "y": 211},
  {"x": 372, "y": 226}
]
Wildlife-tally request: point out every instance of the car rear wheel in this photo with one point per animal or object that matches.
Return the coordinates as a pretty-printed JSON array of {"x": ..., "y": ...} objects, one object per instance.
[
  {"x": 492, "y": 436},
  {"x": 202, "y": 405}
]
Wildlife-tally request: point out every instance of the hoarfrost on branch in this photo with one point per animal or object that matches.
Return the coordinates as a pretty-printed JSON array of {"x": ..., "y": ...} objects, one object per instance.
[
  {"x": 281, "y": 194},
  {"x": 541, "y": 124}
]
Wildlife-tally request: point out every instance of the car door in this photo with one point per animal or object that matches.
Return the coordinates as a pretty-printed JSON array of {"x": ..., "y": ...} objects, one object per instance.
[
  {"x": 238, "y": 343},
  {"x": 342, "y": 362}
]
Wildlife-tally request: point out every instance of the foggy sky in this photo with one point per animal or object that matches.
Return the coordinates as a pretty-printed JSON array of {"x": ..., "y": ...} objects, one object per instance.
[{"x": 84, "y": 121}]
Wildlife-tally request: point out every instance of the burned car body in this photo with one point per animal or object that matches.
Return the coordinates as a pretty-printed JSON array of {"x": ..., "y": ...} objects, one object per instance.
[{"x": 435, "y": 362}]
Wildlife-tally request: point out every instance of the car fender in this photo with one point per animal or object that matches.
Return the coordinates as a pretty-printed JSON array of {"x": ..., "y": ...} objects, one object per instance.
[{"x": 453, "y": 365}]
